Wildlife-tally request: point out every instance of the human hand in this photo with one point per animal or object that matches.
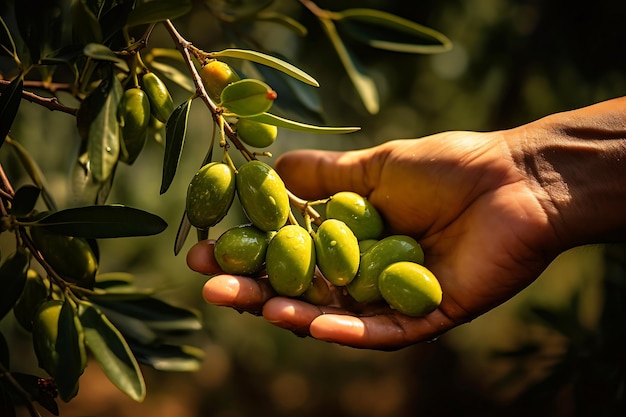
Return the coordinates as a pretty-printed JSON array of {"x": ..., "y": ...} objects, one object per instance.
[{"x": 460, "y": 194}]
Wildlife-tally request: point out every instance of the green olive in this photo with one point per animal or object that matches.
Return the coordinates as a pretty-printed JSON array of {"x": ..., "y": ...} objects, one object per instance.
[
  {"x": 396, "y": 248},
  {"x": 45, "y": 334},
  {"x": 357, "y": 212},
  {"x": 34, "y": 293},
  {"x": 241, "y": 250},
  {"x": 259, "y": 135},
  {"x": 410, "y": 288},
  {"x": 161, "y": 103},
  {"x": 263, "y": 195},
  {"x": 366, "y": 244},
  {"x": 318, "y": 292},
  {"x": 70, "y": 257},
  {"x": 134, "y": 113},
  {"x": 337, "y": 252},
  {"x": 210, "y": 194},
  {"x": 216, "y": 75},
  {"x": 290, "y": 261}
]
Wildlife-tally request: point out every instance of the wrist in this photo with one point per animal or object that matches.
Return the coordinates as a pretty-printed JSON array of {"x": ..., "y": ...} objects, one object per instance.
[{"x": 576, "y": 163}]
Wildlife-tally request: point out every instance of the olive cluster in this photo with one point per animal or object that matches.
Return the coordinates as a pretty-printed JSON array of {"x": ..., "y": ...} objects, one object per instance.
[
  {"x": 347, "y": 247},
  {"x": 149, "y": 102}
]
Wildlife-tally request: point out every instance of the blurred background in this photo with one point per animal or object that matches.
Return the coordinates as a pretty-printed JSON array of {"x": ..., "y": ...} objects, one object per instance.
[{"x": 557, "y": 349}]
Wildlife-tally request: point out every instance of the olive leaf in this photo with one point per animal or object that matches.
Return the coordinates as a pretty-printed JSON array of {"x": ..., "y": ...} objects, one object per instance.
[
  {"x": 24, "y": 200},
  {"x": 175, "y": 131},
  {"x": 114, "y": 279},
  {"x": 283, "y": 20},
  {"x": 248, "y": 97},
  {"x": 70, "y": 350},
  {"x": 152, "y": 11},
  {"x": 175, "y": 75},
  {"x": 365, "y": 86},
  {"x": 6, "y": 40},
  {"x": 102, "y": 53},
  {"x": 268, "y": 60},
  {"x": 157, "y": 314},
  {"x": 278, "y": 121},
  {"x": 169, "y": 358},
  {"x": 13, "y": 278},
  {"x": 9, "y": 104},
  {"x": 40, "y": 25},
  {"x": 110, "y": 349},
  {"x": 387, "y": 31},
  {"x": 85, "y": 25},
  {"x": 240, "y": 9},
  {"x": 34, "y": 172},
  {"x": 102, "y": 221},
  {"x": 103, "y": 143}
]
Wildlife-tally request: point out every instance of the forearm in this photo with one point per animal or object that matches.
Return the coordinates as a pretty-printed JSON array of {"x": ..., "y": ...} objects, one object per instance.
[{"x": 577, "y": 162}]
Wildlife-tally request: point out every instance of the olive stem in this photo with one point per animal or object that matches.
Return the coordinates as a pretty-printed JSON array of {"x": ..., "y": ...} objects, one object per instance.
[
  {"x": 51, "y": 103},
  {"x": 305, "y": 208}
]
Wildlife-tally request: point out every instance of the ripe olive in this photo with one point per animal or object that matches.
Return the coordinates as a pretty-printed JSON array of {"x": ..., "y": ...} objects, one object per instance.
[
  {"x": 216, "y": 75},
  {"x": 410, "y": 288},
  {"x": 259, "y": 135},
  {"x": 241, "y": 250},
  {"x": 71, "y": 257},
  {"x": 210, "y": 194},
  {"x": 161, "y": 103},
  {"x": 263, "y": 195},
  {"x": 357, "y": 212},
  {"x": 364, "y": 286},
  {"x": 337, "y": 252},
  {"x": 290, "y": 261},
  {"x": 34, "y": 293}
]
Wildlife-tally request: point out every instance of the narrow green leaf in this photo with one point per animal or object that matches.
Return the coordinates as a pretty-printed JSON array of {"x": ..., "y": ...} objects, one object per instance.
[
  {"x": 9, "y": 104},
  {"x": 34, "y": 172},
  {"x": 152, "y": 11},
  {"x": 131, "y": 328},
  {"x": 102, "y": 221},
  {"x": 101, "y": 53},
  {"x": 6, "y": 40},
  {"x": 13, "y": 279},
  {"x": 103, "y": 143},
  {"x": 364, "y": 84},
  {"x": 283, "y": 20},
  {"x": 70, "y": 349},
  {"x": 175, "y": 131},
  {"x": 157, "y": 314},
  {"x": 85, "y": 25},
  {"x": 114, "y": 279},
  {"x": 175, "y": 75},
  {"x": 390, "y": 32},
  {"x": 24, "y": 200},
  {"x": 169, "y": 358},
  {"x": 268, "y": 60},
  {"x": 181, "y": 234},
  {"x": 110, "y": 349},
  {"x": 121, "y": 294},
  {"x": 247, "y": 97},
  {"x": 272, "y": 119}
]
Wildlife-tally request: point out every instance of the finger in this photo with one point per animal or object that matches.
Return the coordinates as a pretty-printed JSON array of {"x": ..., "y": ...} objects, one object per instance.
[
  {"x": 383, "y": 332},
  {"x": 293, "y": 315},
  {"x": 313, "y": 174},
  {"x": 200, "y": 258},
  {"x": 241, "y": 293}
]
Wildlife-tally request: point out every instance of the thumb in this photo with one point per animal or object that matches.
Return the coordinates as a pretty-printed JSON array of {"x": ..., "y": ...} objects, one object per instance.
[{"x": 314, "y": 174}]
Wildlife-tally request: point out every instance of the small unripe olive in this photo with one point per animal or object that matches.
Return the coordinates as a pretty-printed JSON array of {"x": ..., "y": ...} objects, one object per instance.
[
  {"x": 263, "y": 195},
  {"x": 290, "y": 261},
  {"x": 134, "y": 111},
  {"x": 364, "y": 286},
  {"x": 357, "y": 212},
  {"x": 366, "y": 244},
  {"x": 337, "y": 252},
  {"x": 161, "y": 103},
  {"x": 241, "y": 250},
  {"x": 210, "y": 194},
  {"x": 34, "y": 293},
  {"x": 318, "y": 292},
  {"x": 259, "y": 135},
  {"x": 216, "y": 75},
  {"x": 410, "y": 288},
  {"x": 71, "y": 257}
]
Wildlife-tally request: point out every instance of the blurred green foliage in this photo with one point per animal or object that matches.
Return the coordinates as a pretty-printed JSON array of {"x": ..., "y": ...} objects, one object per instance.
[{"x": 557, "y": 346}]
